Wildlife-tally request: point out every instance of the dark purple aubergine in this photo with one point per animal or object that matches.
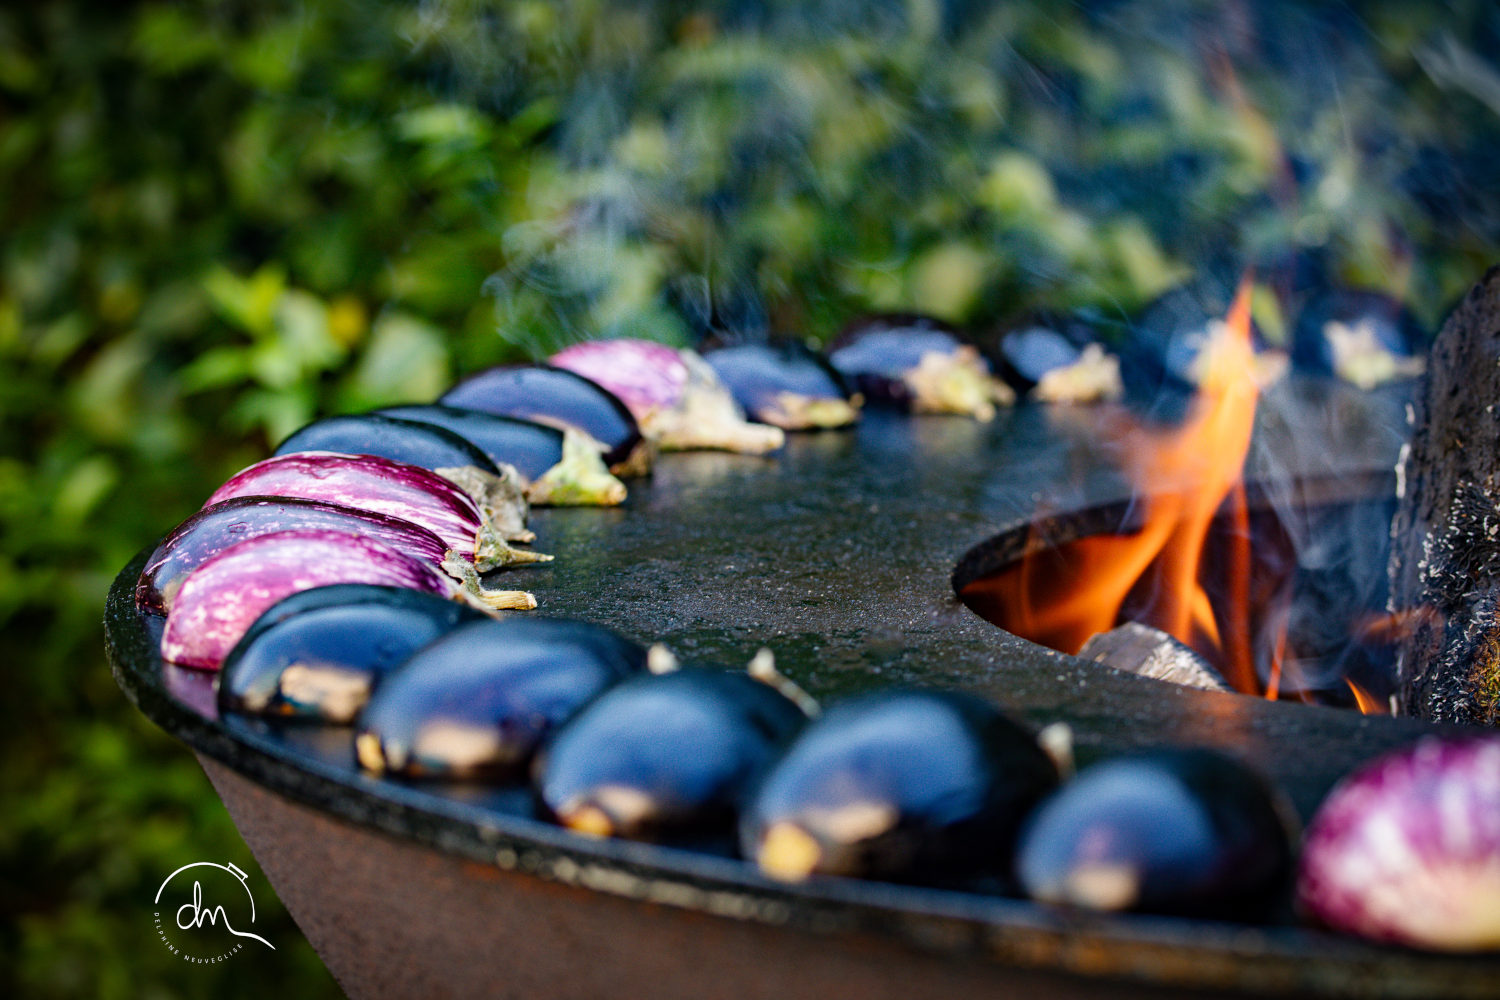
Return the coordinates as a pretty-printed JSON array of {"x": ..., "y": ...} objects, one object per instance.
[
  {"x": 1407, "y": 849},
  {"x": 555, "y": 396},
  {"x": 1162, "y": 357},
  {"x": 1363, "y": 337},
  {"x": 476, "y": 704},
  {"x": 400, "y": 440},
  {"x": 917, "y": 363},
  {"x": 563, "y": 468},
  {"x": 664, "y": 756},
  {"x": 369, "y": 482},
  {"x": 214, "y": 529},
  {"x": 1058, "y": 361},
  {"x": 786, "y": 385},
  {"x": 1188, "y": 831},
  {"x": 222, "y": 598},
  {"x": 319, "y": 659},
  {"x": 898, "y": 785}
]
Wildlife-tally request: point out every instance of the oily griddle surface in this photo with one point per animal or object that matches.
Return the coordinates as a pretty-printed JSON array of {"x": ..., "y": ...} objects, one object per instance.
[{"x": 840, "y": 554}]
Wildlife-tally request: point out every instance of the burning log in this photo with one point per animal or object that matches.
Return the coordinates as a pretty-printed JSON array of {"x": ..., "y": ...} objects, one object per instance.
[
  {"x": 1141, "y": 649},
  {"x": 1445, "y": 554}
]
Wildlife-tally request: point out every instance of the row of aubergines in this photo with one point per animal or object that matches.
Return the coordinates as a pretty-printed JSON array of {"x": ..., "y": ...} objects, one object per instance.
[
  {"x": 431, "y": 496},
  {"x": 907, "y": 785}
]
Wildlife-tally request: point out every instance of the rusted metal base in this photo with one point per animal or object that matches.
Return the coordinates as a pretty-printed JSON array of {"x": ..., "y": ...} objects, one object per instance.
[{"x": 393, "y": 919}]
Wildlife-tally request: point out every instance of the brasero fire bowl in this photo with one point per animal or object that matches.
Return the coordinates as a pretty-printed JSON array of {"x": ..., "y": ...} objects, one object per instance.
[{"x": 837, "y": 554}]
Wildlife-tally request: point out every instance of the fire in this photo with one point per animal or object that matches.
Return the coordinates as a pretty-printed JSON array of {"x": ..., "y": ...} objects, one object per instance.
[
  {"x": 1367, "y": 702},
  {"x": 1183, "y": 478}
]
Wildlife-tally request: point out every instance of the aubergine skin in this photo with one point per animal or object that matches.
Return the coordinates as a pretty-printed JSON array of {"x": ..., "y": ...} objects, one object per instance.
[
  {"x": 400, "y": 440},
  {"x": 1407, "y": 849},
  {"x": 213, "y": 529},
  {"x": 222, "y": 598},
  {"x": 901, "y": 785},
  {"x": 1179, "y": 831},
  {"x": 664, "y": 756},
  {"x": 320, "y": 663},
  {"x": 785, "y": 384},
  {"x": 548, "y": 395},
  {"x": 476, "y": 704},
  {"x": 530, "y": 447},
  {"x": 366, "y": 482}
]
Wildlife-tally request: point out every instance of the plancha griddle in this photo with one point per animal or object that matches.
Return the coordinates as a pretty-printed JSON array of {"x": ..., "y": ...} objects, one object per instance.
[{"x": 843, "y": 555}]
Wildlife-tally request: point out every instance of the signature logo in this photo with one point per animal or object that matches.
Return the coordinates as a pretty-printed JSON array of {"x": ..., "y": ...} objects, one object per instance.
[{"x": 203, "y": 912}]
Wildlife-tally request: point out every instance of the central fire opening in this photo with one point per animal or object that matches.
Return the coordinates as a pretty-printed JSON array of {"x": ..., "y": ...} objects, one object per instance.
[{"x": 1280, "y": 596}]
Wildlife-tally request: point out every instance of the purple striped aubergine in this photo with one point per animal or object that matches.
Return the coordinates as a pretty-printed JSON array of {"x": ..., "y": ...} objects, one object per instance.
[
  {"x": 367, "y": 482},
  {"x": 674, "y": 395},
  {"x": 213, "y": 529},
  {"x": 1407, "y": 849},
  {"x": 222, "y": 598}
]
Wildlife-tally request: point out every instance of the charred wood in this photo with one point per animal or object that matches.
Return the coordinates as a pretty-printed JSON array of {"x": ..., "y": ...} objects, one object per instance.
[
  {"x": 1141, "y": 649},
  {"x": 1445, "y": 551}
]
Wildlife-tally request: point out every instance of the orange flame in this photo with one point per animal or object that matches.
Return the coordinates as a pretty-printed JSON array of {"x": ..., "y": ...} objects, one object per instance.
[
  {"x": 1184, "y": 477},
  {"x": 1367, "y": 702}
]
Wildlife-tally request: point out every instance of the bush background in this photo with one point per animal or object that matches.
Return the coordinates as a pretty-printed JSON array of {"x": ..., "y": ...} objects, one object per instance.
[{"x": 223, "y": 218}]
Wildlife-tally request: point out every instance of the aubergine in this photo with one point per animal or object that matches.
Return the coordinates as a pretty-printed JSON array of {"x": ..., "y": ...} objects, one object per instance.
[
  {"x": 495, "y": 487},
  {"x": 213, "y": 529},
  {"x": 476, "y": 704},
  {"x": 563, "y": 468},
  {"x": 664, "y": 756},
  {"x": 918, "y": 363},
  {"x": 902, "y": 785},
  {"x": 1179, "y": 831},
  {"x": 320, "y": 660},
  {"x": 222, "y": 598},
  {"x": 1407, "y": 849},
  {"x": 785, "y": 385},
  {"x": 1363, "y": 337},
  {"x": 674, "y": 395},
  {"x": 1164, "y": 355},
  {"x": 557, "y": 397},
  {"x": 396, "y": 489},
  {"x": 1059, "y": 361}
]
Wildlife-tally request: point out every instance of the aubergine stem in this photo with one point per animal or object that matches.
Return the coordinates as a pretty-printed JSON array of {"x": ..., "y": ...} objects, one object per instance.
[
  {"x": 1093, "y": 378},
  {"x": 493, "y": 552},
  {"x": 501, "y": 499},
  {"x": 1056, "y": 741},
  {"x": 578, "y": 480},
  {"x": 660, "y": 659},
  {"x": 956, "y": 383},
  {"x": 475, "y": 593},
  {"x": 762, "y": 667},
  {"x": 706, "y": 418},
  {"x": 638, "y": 463},
  {"x": 793, "y": 411}
]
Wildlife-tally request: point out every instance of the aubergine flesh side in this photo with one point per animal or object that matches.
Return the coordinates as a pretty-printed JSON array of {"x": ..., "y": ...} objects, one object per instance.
[
  {"x": 902, "y": 785},
  {"x": 320, "y": 659},
  {"x": 1180, "y": 831},
  {"x": 1364, "y": 337},
  {"x": 664, "y": 756},
  {"x": 563, "y": 467},
  {"x": 918, "y": 363},
  {"x": 476, "y": 704},
  {"x": 546, "y": 394},
  {"x": 785, "y": 384}
]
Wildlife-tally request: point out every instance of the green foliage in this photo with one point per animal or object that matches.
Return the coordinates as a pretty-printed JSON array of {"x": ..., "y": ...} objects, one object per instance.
[{"x": 222, "y": 218}]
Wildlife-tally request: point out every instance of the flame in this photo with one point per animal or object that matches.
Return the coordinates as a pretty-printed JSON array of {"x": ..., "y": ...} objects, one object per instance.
[
  {"x": 1184, "y": 477},
  {"x": 1367, "y": 702}
]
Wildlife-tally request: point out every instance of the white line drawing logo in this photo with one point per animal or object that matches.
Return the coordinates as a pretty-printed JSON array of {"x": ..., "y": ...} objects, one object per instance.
[{"x": 202, "y": 930}]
